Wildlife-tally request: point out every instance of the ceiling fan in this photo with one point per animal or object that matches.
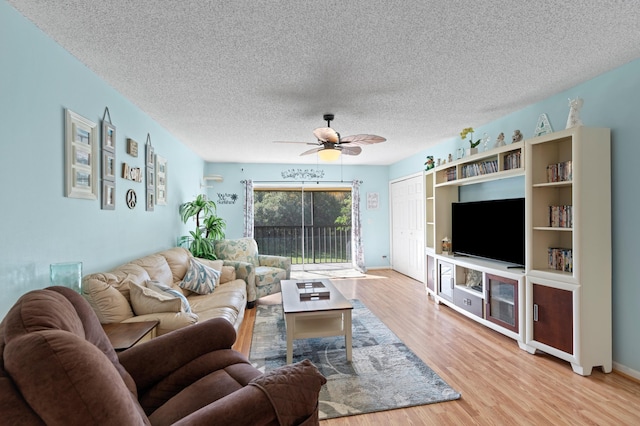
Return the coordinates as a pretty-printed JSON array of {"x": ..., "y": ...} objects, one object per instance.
[{"x": 330, "y": 144}]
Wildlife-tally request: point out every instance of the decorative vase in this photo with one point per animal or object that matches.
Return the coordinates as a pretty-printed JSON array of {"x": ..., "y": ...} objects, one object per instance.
[{"x": 470, "y": 151}]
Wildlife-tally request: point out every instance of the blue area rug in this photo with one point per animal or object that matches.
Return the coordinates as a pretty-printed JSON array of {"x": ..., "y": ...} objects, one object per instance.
[{"x": 383, "y": 375}]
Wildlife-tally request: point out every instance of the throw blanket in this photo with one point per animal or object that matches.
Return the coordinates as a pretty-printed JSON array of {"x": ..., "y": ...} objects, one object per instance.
[{"x": 291, "y": 408}]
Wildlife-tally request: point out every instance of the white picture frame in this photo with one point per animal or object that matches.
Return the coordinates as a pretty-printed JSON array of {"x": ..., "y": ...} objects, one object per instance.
[
  {"x": 81, "y": 157},
  {"x": 372, "y": 200},
  {"x": 108, "y": 195},
  {"x": 161, "y": 180}
]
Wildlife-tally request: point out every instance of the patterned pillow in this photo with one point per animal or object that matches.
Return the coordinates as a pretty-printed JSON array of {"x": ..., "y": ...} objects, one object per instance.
[
  {"x": 199, "y": 278},
  {"x": 168, "y": 291}
]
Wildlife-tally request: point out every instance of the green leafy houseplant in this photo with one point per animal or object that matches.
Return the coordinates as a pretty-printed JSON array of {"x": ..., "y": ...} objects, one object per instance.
[{"x": 209, "y": 226}]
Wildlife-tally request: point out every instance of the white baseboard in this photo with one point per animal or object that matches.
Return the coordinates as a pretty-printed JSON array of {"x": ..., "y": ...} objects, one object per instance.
[
  {"x": 373, "y": 268},
  {"x": 626, "y": 370}
]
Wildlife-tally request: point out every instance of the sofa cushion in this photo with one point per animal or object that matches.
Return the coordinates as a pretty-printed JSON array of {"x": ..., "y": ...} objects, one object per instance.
[
  {"x": 171, "y": 292},
  {"x": 178, "y": 261},
  {"x": 157, "y": 267},
  {"x": 228, "y": 302},
  {"x": 227, "y": 274},
  {"x": 200, "y": 278},
  {"x": 110, "y": 304},
  {"x": 147, "y": 301}
]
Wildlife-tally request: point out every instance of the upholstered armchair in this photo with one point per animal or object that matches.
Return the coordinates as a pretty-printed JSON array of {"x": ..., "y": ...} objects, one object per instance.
[
  {"x": 57, "y": 367},
  {"x": 264, "y": 271}
]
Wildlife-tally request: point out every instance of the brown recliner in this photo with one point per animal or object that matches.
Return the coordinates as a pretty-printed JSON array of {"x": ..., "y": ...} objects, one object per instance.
[{"x": 59, "y": 368}]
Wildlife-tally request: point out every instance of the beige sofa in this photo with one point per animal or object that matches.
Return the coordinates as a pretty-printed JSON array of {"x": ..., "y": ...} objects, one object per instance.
[{"x": 129, "y": 293}]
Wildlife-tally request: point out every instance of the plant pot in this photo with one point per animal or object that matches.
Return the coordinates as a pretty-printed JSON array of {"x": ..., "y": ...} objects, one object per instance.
[{"x": 470, "y": 151}]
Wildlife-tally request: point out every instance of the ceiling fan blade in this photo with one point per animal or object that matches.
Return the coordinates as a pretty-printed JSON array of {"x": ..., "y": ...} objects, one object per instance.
[
  {"x": 362, "y": 139},
  {"x": 350, "y": 150},
  {"x": 326, "y": 134},
  {"x": 306, "y": 143},
  {"x": 312, "y": 151}
]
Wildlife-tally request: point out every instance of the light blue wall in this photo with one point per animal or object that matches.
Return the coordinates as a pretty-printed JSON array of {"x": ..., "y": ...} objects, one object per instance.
[
  {"x": 38, "y": 225},
  {"x": 610, "y": 100},
  {"x": 375, "y": 223}
]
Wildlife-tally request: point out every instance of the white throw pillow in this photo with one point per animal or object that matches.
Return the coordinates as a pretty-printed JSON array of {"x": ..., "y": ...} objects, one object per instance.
[
  {"x": 200, "y": 278},
  {"x": 171, "y": 292}
]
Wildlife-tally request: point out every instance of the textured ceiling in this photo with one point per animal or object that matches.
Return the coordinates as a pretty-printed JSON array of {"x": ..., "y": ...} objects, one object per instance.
[{"x": 229, "y": 77}]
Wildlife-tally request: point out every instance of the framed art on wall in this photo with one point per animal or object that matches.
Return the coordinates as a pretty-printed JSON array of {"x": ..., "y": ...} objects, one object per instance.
[
  {"x": 132, "y": 147},
  {"x": 108, "y": 136},
  {"x": 372, "y": 200},
  {"x": 161, "y": 180},
  {"x": 108, "y": 195},
  {"x": 150, "y": 178},
  {"x": 150, "y": 199},
  {"x": 81, "y": 157},
  {"x": 149, "y": 152},
  {"x": 108, "y": 166}
]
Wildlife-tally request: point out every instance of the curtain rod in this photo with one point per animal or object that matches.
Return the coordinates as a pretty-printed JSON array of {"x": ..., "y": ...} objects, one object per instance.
[{"x": 300, "y": 181}]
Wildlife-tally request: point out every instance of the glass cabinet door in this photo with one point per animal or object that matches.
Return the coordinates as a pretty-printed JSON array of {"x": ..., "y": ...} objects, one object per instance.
[
  {"x": 445, "y": 277},
  {"x": 502, "y": 302}
]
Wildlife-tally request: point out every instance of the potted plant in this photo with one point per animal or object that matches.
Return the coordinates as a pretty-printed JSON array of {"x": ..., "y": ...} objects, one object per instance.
[
  {"x": 209, "y": 226},
  {"x": 472, "y": 145}
]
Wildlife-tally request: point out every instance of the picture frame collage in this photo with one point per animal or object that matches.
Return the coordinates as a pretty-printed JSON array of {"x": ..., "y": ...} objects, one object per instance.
[{"x": 87, "y": 147}]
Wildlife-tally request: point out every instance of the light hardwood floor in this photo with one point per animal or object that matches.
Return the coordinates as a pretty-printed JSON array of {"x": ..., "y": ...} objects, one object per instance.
[{"x": 500, "y": 383}]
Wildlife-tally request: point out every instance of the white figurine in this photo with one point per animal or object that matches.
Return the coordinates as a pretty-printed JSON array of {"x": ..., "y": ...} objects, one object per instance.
[
  {"x": 500, "y": 140},
  {"x": 574, "y": 113}
]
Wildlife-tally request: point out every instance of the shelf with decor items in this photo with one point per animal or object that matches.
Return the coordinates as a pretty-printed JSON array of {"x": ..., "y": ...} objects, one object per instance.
[
  {"x": 496, "y": 163},
  {"x": 568, "y": 246}
]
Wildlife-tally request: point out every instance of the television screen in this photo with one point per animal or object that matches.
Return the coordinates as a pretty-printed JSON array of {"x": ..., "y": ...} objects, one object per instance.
[{"x": 491, "y": 229}]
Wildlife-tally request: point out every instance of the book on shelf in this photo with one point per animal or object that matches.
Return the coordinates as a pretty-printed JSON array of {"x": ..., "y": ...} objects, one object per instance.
[
  {"x": 560, "y": 259},
  {"x": 560, "y": 172},
  {"x": 479, "y": 169},
  {"x": 561, "y": 216},
  {"x": 451, "y": 174},
  {"x": 512, "y": 161},
  {"x": 313, "y": 290}
]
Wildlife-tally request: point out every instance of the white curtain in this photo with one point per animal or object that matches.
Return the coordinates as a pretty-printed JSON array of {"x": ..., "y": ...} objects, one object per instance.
[
  {"x": 357, "y": 252},
  {"x": 248, "y": 208}
]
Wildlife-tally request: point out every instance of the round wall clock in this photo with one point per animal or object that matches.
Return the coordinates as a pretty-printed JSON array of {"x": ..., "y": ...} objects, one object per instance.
[{"x": 132, "y": 198}]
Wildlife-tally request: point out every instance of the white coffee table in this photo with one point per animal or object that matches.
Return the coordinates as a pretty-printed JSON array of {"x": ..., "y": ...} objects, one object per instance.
[{"x": 321, "y": 317}]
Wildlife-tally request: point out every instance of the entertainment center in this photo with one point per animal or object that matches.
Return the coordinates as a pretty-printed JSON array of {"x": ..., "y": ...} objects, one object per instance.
[{"x": 542, "y": 278}]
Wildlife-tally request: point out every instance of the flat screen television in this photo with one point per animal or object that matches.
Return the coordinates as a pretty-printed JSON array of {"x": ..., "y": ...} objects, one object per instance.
[{"x": 491, "y": 229}]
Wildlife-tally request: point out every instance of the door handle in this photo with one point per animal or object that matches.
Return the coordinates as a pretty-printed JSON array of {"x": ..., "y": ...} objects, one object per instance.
[{"x": 535, "y": 312}]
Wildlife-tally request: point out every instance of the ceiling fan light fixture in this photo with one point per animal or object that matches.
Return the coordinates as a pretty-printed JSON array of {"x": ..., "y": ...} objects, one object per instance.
[{"x": 329, "y": 154}]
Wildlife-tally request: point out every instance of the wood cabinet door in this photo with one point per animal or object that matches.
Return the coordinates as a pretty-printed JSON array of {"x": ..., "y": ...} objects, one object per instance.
[{"x": 553, "y": 317}]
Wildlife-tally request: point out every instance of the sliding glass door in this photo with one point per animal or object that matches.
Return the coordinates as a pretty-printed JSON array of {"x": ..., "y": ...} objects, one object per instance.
[{"x": 309, "y": 225}]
